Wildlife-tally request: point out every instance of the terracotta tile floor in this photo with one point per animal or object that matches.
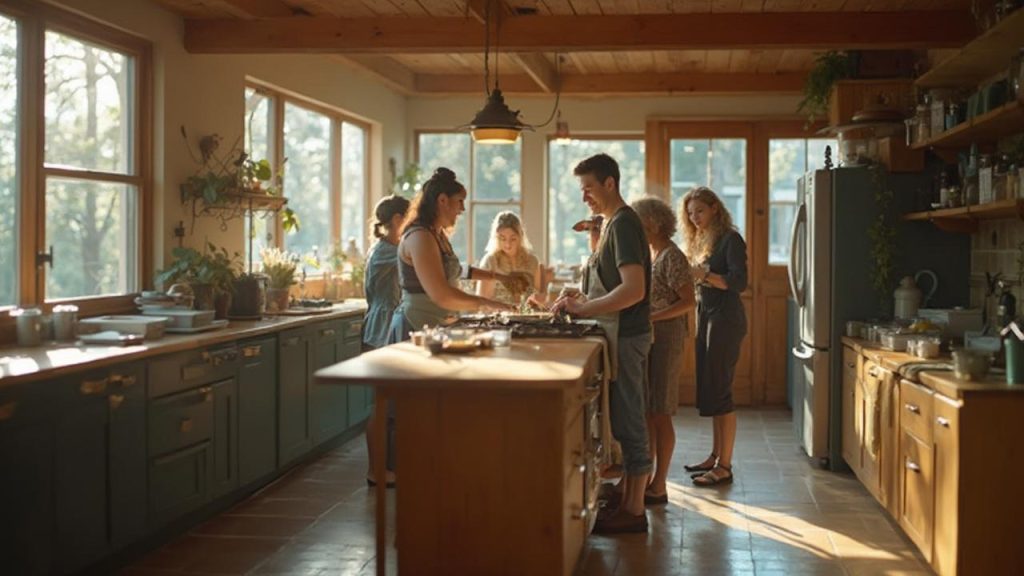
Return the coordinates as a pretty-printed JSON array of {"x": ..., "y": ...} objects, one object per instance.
[{"x": 780, "y": 517}]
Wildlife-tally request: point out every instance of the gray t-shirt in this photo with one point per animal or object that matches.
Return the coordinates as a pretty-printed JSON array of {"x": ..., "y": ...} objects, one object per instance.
[{"x": 626, "y": 244}]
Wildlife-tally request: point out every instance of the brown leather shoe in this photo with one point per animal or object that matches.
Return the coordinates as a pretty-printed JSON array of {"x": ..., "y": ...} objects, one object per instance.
[{"x": 621, "y": 522}]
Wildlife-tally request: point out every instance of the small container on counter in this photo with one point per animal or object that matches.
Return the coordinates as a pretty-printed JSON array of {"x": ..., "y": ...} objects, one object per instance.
[
  {"x": 970, "y": 363},
  {"x": 501, "y": 337},
  {"x": 65, "y": 319},
  {"x": 855, "y": 329},
  {"x": 29, "y": 326}
]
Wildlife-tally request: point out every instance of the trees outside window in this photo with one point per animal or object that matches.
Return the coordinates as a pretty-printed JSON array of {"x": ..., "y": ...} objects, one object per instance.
[
  {"x": 9, "y": 159},
  {"x": 788, "y": 160}
]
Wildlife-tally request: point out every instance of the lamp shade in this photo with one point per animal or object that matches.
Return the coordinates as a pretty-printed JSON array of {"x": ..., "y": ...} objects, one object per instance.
[
  {"x": 562, "y": 130},
  {"x": 495, "y": 123}
]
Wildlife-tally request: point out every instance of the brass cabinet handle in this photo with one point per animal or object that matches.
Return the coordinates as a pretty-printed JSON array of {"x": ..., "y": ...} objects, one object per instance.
[
  {"x": 7, "y": 410},
  {"x": 122, "y": 380},
  {"x": 327, "y": 332},
  {"x": 944, "y": 422},
  {"x": 356, "y": 326},
  {"x": 252, "y": 351},
  {"x": 115, "y": 401},
  {"x": 578, "y": 512},
  {"x": 206, "y": 392},
  {"x": 913, "y": 408},
  {"x": 873, "y": 372},
  {"x": 913, "y": 467},
  {"x": 291, "y": 341},
  {"x": 93, "y": 387},
  {"x": 186, "y": 425}
]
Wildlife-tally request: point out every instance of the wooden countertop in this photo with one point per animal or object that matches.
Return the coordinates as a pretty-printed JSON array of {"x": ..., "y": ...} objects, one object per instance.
[
  {"x": 527, "y": 363},
  {"x": 941, "y": 381},
  {"x": 20, "y": 365}
]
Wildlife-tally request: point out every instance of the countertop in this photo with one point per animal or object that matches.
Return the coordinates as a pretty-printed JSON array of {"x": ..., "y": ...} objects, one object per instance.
[
  {"x": 20, "y": 365},
  {"x": 527, "y": 363},
  {"x": 944, "y": 382}
]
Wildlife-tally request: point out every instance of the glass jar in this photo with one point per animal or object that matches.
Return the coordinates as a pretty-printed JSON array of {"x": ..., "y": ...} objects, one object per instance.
[{"x": 922, "y": 115}]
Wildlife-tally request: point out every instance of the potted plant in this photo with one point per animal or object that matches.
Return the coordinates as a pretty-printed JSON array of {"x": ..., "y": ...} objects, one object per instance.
[
  {"x": 829, "y": 68},
  {"x": 249, "y": 294},
  {"x": 279, "y": 268},
  {"x": 209, "y": 275}
]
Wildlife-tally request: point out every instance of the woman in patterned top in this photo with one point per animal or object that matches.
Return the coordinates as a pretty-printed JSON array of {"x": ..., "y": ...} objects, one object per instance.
[
  {"x": 671, "y": 299},
  {"x": 508, "y": 250}
]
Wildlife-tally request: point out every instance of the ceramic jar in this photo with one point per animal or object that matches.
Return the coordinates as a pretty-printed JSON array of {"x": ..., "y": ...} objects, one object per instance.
[{"x": 907, "y": 299}]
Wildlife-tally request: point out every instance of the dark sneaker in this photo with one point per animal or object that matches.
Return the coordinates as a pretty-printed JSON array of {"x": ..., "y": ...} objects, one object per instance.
[{"x": 621, "y": 522}]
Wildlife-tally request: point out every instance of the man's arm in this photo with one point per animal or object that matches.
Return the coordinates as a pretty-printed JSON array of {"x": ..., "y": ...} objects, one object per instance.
[{"x": 633, "y": 289}]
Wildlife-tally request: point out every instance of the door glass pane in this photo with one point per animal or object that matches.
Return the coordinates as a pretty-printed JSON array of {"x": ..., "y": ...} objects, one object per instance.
[
  {"x": 451, "y": 150},
  {"x": 8, "y": 161},
  {"x": 307, "y": 177},
  {"x": 720, "y": 164},
  {"x": 90, "y": 227},
  {"x": 496, "y": 172},
  {"x": 259, "y": 122},
  {"x": 565, "y": 201},
  {"x": 353, "y": 184},
  {"x": 89, "y": 106},
  {"x": 788, "y": 159}
]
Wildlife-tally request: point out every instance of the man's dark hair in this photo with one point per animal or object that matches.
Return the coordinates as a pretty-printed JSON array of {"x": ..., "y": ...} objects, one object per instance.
[{"x": 601, "y": 166}]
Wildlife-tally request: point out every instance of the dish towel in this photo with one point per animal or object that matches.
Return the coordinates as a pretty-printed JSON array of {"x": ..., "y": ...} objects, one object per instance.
[{"x": 910, "y": 371}]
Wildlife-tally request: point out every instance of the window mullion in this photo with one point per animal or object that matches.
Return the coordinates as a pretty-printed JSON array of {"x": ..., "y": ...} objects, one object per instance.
[
  {"x": 31, "y": 207},
  {"x": 335, "y": 203},
  {"x": 277, "y": 138}
]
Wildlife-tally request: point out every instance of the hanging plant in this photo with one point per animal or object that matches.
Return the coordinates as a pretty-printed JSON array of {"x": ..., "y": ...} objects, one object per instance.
[
  {"x": 829, "y": 68},
  {"x": 882, "y": 234}
]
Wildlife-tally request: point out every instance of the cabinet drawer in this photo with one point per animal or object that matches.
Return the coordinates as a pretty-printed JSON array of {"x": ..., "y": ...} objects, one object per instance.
[
  {"x": 916, "y": 410},
  {"x": 851, "y": 362},
  {"x": 353, "y": 329},
  {"x": 194, "y": 368},
  {"x": 947, "y": 486},
  {"x": 326, "y": 332},
  {"x": 180, "y": 420},
  {"x": 918, "y": 491},
  {"x": 179, "y": 482}
]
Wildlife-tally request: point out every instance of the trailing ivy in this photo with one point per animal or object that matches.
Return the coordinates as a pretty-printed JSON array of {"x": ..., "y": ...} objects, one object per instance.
[
  {"x": 829, "y": 68},
  {"x": 882, "y": 234}
]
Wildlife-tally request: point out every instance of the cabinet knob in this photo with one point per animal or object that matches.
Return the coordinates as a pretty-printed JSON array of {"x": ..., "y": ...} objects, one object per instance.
[
  {"x": 873, "y": 372},
  {"x": 7, "y": 410},
  {"x": 579, "y": 461},
  {"x": 252, "y": 351},
  {"x": 327, "y": 332},
  {"x": 914, "y": 408},
  {"x": 207, "y": 393},
  {"x": 944, "y": 422},
  {"x": 93, "y": 387},
  {"x": 115, "y": 401},
  {"x": 186, "y": 425},
  {"x": 578, "y": 512},
  {"x": 913, "y": 467}
]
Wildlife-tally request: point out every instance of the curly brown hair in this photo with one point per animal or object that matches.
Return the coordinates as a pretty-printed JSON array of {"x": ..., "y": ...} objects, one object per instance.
[{"x": 657, "y": 212}]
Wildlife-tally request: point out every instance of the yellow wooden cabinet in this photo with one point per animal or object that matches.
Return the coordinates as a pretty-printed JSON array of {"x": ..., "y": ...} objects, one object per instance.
[{"x": 852, "y": 414}]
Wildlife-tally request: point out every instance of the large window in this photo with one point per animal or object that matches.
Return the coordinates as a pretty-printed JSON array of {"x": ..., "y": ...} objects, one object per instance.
[
  {"x": 9, "y": 83},
  {"x": 73, "y": 185},
  {"x": 324, "y": 159},
  {"x": 788, "y": 159},
  {"x": 491, "y": 174},
  {"x": 718, "y": 163},
  {"x": 565, "y": 201}
]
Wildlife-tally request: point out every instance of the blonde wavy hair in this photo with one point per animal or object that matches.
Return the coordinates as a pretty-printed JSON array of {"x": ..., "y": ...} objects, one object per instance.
[
  {"x": 508, "y": 221},
  {"x": 698, "y": 244}
]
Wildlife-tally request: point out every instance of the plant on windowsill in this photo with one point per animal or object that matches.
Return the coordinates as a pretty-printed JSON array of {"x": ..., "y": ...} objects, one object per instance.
[
  {"x": 279, "y": 267},
  {"x": 828, "y": 69},
  {"x": 404, "y": 183}
]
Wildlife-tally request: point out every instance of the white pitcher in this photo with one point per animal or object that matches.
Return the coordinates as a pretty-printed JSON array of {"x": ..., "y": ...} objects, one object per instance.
[{"x": 906, "y": 299}]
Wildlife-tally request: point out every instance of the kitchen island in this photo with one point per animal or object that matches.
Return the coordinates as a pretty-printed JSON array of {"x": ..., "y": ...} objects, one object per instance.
[{"x": 496, "y": 453}]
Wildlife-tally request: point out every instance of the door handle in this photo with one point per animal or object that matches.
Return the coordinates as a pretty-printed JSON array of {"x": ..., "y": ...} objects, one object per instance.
[
  {"x": 796, "y": 285},
  {"x": 803, "y": 353}
]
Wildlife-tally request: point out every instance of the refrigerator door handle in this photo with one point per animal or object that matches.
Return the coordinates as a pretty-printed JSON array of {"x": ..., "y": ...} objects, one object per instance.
[
  {"x": 803, "y": 353},
  {"x": 796, "y": 285}
]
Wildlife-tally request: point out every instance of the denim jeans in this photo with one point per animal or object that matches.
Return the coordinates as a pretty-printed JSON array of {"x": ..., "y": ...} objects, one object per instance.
[{"x": 628, "y": 405}]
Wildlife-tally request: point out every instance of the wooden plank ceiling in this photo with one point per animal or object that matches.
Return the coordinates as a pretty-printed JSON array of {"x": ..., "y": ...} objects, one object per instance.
[{"x": 584, "y": 46}]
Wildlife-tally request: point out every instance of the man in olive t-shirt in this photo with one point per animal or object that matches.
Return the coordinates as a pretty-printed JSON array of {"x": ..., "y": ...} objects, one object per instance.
[{"x": 624, "y": 268}]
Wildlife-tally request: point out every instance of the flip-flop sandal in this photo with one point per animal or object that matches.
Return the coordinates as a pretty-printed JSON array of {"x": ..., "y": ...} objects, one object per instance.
[{"x": 711, "y": 479}]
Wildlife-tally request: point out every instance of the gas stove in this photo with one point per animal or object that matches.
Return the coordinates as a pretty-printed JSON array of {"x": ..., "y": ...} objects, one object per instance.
[{"x": 532, "y": 327}]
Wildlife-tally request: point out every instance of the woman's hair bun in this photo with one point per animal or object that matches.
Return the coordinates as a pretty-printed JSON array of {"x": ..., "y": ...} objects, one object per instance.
[{"x": 443, "y": 173}]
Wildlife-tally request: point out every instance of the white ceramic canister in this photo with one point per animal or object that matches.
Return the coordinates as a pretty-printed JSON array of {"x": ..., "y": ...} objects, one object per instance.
[
  {"x": 906, "y": 299},
  {"x": 65, "y": 320},
  {"x": 29, "y": 326}
]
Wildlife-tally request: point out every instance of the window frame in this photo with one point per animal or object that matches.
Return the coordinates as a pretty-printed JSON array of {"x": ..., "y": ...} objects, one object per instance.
[
  {"x": 471, "y": 202},
  {"x": 35, "y": 19},
  {"x": 279, "y": 97}
]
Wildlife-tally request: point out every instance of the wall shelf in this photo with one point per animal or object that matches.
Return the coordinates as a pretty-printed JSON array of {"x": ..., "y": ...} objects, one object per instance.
[
  {"x": 994, "y": 125},
  {"x": 965, "y": 219},
  {"x": 983, "y": 57}
]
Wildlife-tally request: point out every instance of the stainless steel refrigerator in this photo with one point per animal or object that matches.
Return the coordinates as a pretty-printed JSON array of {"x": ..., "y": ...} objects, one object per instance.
[{"x": 830, "y": 273}]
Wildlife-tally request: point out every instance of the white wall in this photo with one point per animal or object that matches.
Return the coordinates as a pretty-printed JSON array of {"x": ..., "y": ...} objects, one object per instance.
[
  {"x": 205, "y": 93},
  {"x": 609, "y": 115}
]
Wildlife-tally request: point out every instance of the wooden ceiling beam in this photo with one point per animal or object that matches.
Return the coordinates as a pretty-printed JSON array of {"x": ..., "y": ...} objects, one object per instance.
[
  {"x": 628, "y": 84},
  {"x": 257, "y": 8},
  {"x": 714, "y": 31},
  {"x": 534, "y": 64}
]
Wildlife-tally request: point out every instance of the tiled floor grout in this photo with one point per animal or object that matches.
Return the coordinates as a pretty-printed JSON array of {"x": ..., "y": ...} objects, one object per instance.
[{"x": 780, "y": 517}]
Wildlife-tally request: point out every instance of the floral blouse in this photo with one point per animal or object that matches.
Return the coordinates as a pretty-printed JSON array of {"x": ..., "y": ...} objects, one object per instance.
[{"x": 670, "y": 272}]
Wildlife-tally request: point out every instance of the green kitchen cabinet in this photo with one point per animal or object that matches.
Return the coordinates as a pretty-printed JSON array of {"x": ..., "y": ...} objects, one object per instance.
[
  {"x": 181, "y": 453},
  {"x": 329, "y": 405},
  {"x": 26, "y": 480},
  {"x": 294, "y": 432},
  {"x": 100, "y": 464},
  {"x": 360, "y": 398},
  {"x": 257, "y": 409},
  {"x": 225, "y": 437}
]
